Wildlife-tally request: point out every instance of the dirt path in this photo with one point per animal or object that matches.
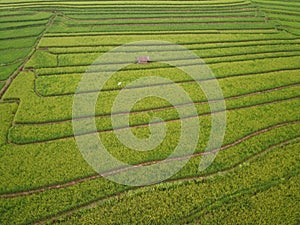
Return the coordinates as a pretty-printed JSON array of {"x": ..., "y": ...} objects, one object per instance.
[
  {"x": 166, "y": 107},
  {"x": 153, "y": 123},
  {"x": 27, "y": 58},
  {"x": 93, "y": 204},
  {"x": 109, "y": 173}
]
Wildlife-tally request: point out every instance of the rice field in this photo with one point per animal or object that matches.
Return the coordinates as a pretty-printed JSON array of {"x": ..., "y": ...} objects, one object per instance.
[{"x": 253, "y": 49}]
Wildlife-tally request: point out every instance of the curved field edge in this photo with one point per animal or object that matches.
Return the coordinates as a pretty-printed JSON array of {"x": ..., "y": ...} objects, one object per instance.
[
  {"x": 10, "y": 73},
  {"x": 241, "y": 177},
  {"x": 171, "y": 203},
  {"x": 31, "y": 168},
  {"x": 39, "y": 133},
  {"x": 34, "y": 103},
  {"x": 230, "y": 155}
]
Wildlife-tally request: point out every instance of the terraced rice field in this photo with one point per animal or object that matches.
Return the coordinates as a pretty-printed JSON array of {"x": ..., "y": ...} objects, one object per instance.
[{"x": 253, "y": 49}]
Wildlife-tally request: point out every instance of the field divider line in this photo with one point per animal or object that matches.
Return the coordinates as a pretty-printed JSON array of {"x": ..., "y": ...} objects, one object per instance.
[
  {"x": 67, "y": 17},
  {"x": 182, "y": 65},
  {"x": 278, "y": 12},
  {"x": 206, "y": 48},
  {"x": 34, "y": 48},
  {"x": 160, "y": 67},
  {"x": 166, "y": 23},
  {"x": 90, "y": 205},
  {"x": 255, "y": 41},
  {"x": 217, "y": 30},
  {"x": 15, "y": 38},
  {"x": 158, "y": 109},
  {"x": 145, "y": 12},
  {"x": 116, "y": 171},
  {"x": 158, "y": 14},
  {"x": 153, "y": 33},
  {"x": 23, "y": 26},
  {"x": 227, "y": 7},
  {"x": 13, "y": 62},
  {"x": 266, "y": 31},
  {"x": 23, "y": 14},
  {"x": 136, "y": 9},
  {"x": 296, "y": 54},
  {"x": 127, "y": 4},
  {"x": 12, "y": 122},
  {"x": 266, "y": 7},
  {"x": 22, "y": 48},
  {"x": 284, "y": 19},
  {"x": 139, "y": 87},
  {"x": 290, "y": 26},
  {"x": 254, "y": 190},
  {"x": 72, "y": 136},
  {"x": 190, "y": 48},
  {"x": 22, "y": 21}
]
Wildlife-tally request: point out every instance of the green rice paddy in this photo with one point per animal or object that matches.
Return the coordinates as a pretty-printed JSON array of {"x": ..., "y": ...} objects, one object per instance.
[{"x": 251, "y": 46}]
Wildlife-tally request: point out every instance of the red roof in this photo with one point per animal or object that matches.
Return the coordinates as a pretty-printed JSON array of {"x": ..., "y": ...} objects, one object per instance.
[{"x": 142, "y": 59}]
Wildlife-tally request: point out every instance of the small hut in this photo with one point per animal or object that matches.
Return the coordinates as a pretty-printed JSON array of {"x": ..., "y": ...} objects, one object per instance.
[{"x": 143, "y": 59}]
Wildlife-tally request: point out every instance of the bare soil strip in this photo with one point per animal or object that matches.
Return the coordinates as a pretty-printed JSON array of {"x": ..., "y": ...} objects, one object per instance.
[
  {"x": 109, "y": 173},
  {"x": 95, "y": 203},
  {"x": 153, "y": 123}
]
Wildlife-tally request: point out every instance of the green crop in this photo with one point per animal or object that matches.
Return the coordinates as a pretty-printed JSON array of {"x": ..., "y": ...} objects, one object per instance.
[
  {"x": 10, "y": 56},
  {"x": 104, "y": 40},
  {"x": 6, "y": 71},
  {"x": 253, "y": 49},
  {"x": 208, "y": 191}
]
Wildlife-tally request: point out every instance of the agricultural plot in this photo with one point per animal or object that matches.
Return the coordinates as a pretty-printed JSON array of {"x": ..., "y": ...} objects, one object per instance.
[{"x": 252, "y": 48}]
